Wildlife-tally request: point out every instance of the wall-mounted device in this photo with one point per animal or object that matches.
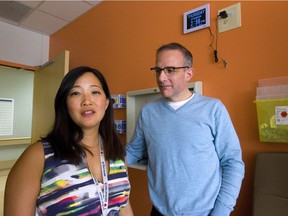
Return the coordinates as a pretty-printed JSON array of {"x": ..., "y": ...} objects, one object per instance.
[
  {"x": 196, "y": 19},
  {"x": 232, "y": 20}
]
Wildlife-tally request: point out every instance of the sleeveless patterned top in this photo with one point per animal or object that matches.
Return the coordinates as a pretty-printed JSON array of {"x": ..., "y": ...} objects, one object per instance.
[{"x": 67, "y": 189}]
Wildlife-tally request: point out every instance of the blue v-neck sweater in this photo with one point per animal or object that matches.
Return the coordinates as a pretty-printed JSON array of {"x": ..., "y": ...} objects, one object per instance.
[{"x": 195, "y": 165}]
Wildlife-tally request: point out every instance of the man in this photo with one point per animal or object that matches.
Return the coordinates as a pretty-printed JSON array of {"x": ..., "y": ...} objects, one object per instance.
[{"x": 195, "y": 165}]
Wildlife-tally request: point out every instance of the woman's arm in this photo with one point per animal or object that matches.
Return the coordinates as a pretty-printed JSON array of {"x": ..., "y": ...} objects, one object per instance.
[
  {"x": 127, "y": 211},
  {"x": 23, "y": 182}
]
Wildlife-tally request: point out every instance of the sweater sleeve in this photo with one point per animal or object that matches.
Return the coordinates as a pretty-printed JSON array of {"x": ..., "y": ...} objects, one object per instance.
[
  {"x": 136, "y": 149},
  {"x": 230, "y": 155}
]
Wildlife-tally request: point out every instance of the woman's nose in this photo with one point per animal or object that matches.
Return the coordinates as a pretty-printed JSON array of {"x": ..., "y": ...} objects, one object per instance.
[{"x": 86, "y": 100}]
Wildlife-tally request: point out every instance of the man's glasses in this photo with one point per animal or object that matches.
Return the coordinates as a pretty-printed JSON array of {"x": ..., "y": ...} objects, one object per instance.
[{"x": 168, "y": 71}]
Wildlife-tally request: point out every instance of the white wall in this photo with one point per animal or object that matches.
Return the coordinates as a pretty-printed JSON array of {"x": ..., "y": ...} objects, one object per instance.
[
  {"x": 22, "y": 46},
  {"x": 3, "y": 179}
]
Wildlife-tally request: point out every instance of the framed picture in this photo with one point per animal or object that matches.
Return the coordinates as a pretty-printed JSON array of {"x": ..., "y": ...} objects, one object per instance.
[{"x": 196, "y": 19}]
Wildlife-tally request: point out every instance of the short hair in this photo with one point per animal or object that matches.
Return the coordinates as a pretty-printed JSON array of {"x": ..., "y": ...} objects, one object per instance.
[{"x": 187, "y": 55}]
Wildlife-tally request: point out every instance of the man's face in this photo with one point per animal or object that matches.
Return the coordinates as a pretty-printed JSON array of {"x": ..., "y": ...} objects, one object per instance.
[{"x": 173, "y": 86}]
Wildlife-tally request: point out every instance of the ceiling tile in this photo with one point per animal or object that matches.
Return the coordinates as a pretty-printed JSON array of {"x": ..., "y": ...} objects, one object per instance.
[
  {"x": 65, "y": 10},
  {"x": 43, "y": 22},
  {"x": 49, "y": 16},
  {"x": 93, "y": 2},
  {"x": 13, "y": 10},
  {"x": 31, "y": 4}
]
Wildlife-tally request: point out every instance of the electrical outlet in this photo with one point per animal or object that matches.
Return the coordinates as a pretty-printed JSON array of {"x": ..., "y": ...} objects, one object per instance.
[{"x": 232, "y": 21}]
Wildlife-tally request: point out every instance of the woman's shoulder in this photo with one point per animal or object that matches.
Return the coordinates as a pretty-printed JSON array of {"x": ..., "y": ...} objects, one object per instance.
[
  {"x": 118, "y": 167},
  {"x": 37, "y": 146},
  {"x": 30, "y": 164},
  {"x": 33, "y": 155},
  {"x": 119, "y": 163}
]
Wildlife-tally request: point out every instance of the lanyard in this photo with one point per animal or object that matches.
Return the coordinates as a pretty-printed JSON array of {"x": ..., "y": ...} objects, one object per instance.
[{"x": 103, "y": 196}]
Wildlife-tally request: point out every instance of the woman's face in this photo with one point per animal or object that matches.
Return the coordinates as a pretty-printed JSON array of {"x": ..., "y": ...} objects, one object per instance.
[{"x": 87, "y": 102}]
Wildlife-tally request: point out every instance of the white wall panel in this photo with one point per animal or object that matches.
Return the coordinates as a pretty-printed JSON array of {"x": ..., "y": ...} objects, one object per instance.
[{"x": 22, "y": 46}]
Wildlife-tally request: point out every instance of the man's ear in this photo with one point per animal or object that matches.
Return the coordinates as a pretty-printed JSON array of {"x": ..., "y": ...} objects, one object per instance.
[{"x": 189, "y": 74}]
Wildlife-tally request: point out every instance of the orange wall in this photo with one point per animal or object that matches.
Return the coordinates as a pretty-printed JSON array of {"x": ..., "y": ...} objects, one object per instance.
[{"x": 120, "y": 38}]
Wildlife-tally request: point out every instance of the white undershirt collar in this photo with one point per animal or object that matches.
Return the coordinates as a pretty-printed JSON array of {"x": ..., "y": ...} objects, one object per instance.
[{"x": 178, "y": 104}]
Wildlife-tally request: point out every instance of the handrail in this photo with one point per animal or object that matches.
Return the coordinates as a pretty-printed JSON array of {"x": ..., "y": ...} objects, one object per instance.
[{"x": 14, "y": 141}]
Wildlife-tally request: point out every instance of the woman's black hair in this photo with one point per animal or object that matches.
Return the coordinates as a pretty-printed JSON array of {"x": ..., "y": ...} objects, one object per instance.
[{"x": 65, "y": 136}]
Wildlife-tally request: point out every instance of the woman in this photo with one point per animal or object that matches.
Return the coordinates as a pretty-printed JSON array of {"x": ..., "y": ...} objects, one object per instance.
[{"x": 78, "y": 168}]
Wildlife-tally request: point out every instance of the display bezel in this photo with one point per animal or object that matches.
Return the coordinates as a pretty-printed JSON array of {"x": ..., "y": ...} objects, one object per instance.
[{"x": 206, "y": 8}]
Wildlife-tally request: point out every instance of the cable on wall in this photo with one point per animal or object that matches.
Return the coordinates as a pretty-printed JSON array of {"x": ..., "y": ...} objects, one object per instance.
[{"x": 221, "y": 15}]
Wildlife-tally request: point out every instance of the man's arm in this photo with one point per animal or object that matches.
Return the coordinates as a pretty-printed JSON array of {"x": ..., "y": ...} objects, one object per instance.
[
  {"x": 230, "y": 155},
  {"x": 136, "y": 150}
]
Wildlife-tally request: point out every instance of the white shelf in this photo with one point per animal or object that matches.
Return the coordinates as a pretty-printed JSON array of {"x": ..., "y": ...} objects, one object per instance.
[{"x": 138, "y": 166}]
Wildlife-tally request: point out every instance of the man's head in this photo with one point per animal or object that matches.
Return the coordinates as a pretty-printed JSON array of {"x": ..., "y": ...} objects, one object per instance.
[
  {"x": 173, "y": 71},
  {"x": 187, "y": 56}
]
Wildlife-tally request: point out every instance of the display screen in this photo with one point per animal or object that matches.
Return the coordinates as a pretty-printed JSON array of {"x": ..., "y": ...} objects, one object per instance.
[{"x": 196, "y": 18}]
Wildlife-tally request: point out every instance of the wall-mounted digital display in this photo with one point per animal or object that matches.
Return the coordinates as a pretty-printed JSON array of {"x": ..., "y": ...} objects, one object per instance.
[{"x": 196, "y": 19}]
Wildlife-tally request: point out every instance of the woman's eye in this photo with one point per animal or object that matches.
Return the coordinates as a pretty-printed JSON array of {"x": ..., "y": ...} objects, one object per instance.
[
  {"x": 96, "y": 92},
  {"x": 74, "y": 93}
]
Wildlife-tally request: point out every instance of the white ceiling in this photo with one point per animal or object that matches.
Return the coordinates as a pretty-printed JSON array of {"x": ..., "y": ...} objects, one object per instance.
[{"x": 46, "y": 16}]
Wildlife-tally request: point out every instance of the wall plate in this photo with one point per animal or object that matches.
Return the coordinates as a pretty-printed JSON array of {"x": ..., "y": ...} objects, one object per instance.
[{"x": 232, "y": 21}]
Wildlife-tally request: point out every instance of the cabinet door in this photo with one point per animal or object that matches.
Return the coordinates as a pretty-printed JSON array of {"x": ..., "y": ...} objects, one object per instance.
[{"x": 46, "y": 83}]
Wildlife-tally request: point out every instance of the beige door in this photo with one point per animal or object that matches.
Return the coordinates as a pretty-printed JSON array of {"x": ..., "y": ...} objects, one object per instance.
[{"x": 46, "y": 83}]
